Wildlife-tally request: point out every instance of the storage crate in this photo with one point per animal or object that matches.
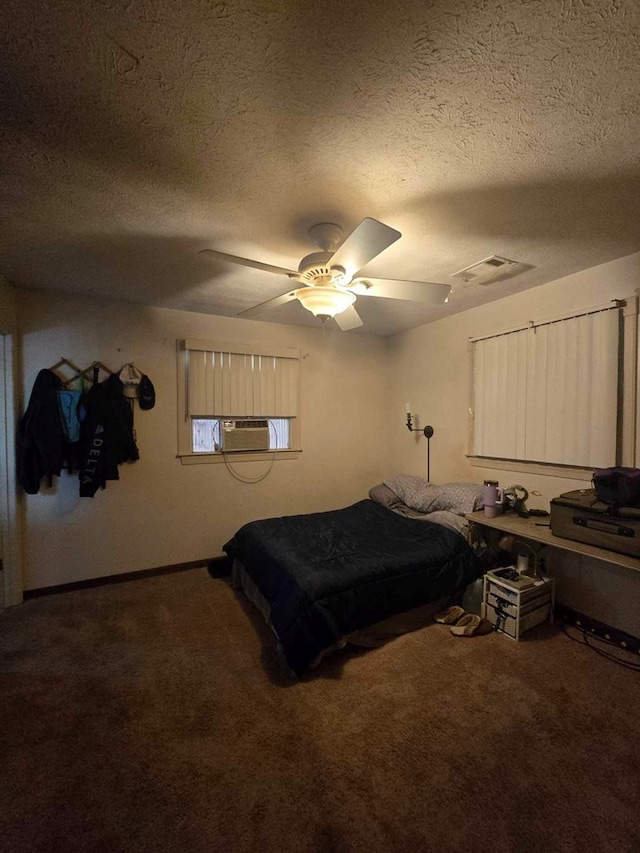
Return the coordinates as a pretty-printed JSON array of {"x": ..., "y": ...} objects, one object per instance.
[
  {"x": 516, "y": 610},
  {"x": 513, "y": 627}
]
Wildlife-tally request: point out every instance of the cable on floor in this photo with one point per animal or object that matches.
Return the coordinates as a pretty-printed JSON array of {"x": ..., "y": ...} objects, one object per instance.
[{"x": 587, "y": 640}]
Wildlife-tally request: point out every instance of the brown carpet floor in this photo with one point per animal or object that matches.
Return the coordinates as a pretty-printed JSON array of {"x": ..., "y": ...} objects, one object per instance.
[{"x": 154, "y": 715}]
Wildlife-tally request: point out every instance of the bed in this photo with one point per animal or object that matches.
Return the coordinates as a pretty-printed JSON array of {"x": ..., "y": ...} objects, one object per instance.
[{"x": 320, "y": 578}]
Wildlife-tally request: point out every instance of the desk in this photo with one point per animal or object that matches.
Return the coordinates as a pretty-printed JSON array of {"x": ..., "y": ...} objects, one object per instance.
[{"x": 529, "y": 528}]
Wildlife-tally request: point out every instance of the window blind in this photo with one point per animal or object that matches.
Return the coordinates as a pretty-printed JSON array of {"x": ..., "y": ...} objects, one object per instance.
[
  {"x": 228, "y": 383},
  {"x": 549, "y": 393}
]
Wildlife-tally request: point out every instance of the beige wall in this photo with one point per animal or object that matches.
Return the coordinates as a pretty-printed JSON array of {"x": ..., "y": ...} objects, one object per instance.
[
  {"x": 161, "y": 512},
  {"x": 353, "y": 409},
  {"x": 430, "y": 369}
]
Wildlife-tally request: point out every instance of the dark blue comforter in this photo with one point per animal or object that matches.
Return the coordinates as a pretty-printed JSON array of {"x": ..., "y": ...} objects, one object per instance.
[{"x": 326, "y": 574}]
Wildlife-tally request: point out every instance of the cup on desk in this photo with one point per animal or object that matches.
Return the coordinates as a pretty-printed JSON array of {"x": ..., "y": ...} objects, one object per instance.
[{"x": 492, "y": 498}]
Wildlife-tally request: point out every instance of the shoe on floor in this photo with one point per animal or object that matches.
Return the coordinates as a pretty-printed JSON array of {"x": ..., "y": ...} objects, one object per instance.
[
  {"x": 471, "y": 625},
  {"x": 450, "y": 615}
]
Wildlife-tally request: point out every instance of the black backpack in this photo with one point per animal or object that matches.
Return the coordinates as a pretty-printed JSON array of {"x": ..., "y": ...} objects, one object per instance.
[{"x": 617, "y": 486}]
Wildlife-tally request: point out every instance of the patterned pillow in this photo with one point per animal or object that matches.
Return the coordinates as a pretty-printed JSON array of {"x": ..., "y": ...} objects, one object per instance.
[{"x": 460, "y": 498}]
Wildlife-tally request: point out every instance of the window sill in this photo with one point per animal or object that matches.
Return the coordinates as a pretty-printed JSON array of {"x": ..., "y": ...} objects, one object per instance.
[
  {"x": 546, "y": 468},
  {"x": 236, "y": 456}
]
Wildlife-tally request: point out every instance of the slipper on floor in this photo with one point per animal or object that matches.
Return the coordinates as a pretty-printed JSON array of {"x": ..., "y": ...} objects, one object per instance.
[
  {"x": 450, "y": 615},
  {"x": 471, "y": 625}
]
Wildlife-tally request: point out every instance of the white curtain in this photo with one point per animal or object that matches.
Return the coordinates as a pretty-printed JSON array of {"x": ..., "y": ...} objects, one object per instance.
[
  {"x": 549, "y": 393},
  {"x": 241, "y": 384}
]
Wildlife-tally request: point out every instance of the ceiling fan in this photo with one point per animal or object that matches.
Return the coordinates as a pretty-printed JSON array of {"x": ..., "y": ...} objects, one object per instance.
[{"x": 331, "y": 279}]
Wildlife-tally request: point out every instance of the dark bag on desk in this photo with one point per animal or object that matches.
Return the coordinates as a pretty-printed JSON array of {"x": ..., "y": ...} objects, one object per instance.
[
  {"x": 618, "y": 486},
  {"x": 580, "y": 516}
]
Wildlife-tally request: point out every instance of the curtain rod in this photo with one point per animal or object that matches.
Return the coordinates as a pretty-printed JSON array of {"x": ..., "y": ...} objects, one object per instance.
[{"x": 614, "y": 305}]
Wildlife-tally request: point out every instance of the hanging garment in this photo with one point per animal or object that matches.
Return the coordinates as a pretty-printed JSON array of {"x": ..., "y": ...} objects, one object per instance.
[
  {"x": 68, "y": 402},
  {"x": 146, "y": 393},
  {"x": 130, "y": 377},
  {"x": 106, "y": 435},
  {"x": 121, "y": 421},
  {"x": 41, "y": 441}
]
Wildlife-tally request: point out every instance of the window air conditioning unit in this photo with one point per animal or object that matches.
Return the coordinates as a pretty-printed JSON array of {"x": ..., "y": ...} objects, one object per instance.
[{"x": 245, "y": 435}]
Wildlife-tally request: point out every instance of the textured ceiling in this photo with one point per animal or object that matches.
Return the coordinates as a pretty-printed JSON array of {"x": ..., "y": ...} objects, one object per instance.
[{"x": 136, "y": 133}]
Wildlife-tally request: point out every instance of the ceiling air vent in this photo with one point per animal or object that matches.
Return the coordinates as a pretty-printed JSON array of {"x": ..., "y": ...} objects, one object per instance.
[{"x": 485, "y": 271}]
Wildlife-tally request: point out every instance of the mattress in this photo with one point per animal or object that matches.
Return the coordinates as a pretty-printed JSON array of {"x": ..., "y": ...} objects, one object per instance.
[
  {"x": 325, "y": 576},
  {"x": 371, "y": 636}
]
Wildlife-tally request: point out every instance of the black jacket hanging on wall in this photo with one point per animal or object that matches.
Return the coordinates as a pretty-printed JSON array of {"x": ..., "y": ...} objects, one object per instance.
[
  {"x": 41, "y": 441},
  {"x": 106, "y": 435}
]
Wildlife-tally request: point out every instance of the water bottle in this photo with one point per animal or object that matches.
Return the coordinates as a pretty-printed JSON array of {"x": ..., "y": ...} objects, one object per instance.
[{"x": 492, "y": 498}]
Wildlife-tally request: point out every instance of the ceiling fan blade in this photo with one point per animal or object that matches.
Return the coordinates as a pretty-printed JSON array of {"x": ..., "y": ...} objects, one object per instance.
[
  {"x": 363, "y": 244},
  {"x": 246, "y": 262},
  {"x": 349, "y": 319},
  {"x": 425, "y": 292},
  {"x": 263, "y": 307}
]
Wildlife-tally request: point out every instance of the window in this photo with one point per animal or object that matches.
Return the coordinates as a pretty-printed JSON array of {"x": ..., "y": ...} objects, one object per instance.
[
  {"x": 237, "y": 398},
  {"x": 549, "y": 393},
  {"x": 208, "y": 433}
]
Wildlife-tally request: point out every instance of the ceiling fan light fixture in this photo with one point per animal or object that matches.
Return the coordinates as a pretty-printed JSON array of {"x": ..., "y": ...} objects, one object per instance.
[
  {"x": 339, "y": 276},
  {"x": 325, "y": 301},
  {"x": 359, "y": 286},
  {"x": 331, "y": 278}
]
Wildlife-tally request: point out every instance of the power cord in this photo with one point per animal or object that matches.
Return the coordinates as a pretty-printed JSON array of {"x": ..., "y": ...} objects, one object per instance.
[
  {"x": 538, "y": 565},
  {"x": 536, "y": 557},
  {"x": 587, "y": 641},
  {"x": 501, "y": 613},
  {"x": 539, "y": 569},
  {"x": 243, "y": 478}
]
